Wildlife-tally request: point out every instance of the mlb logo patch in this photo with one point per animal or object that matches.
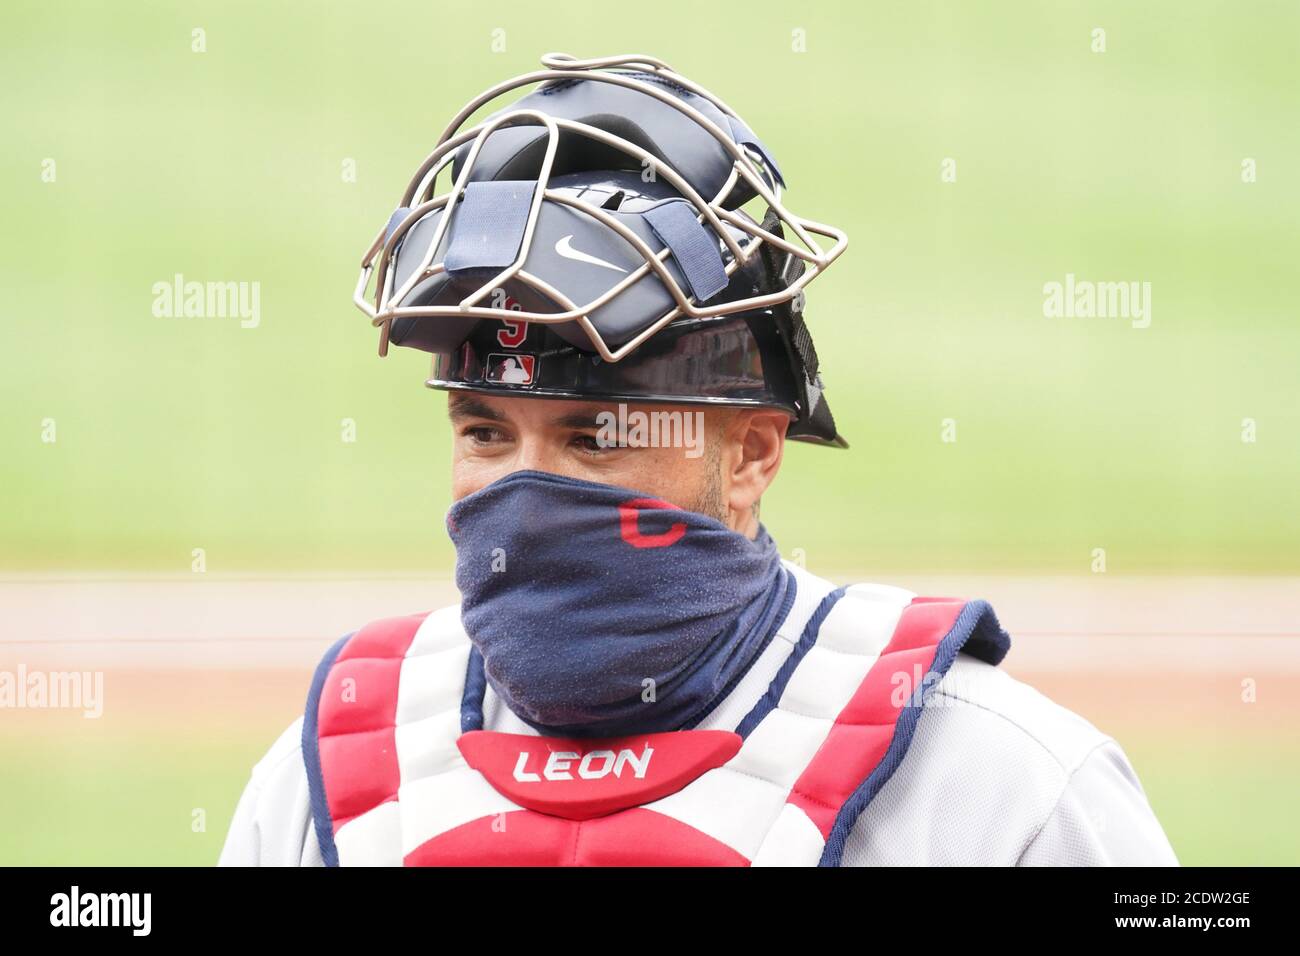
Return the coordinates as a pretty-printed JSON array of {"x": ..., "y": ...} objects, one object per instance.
[{"x": 516, "y": 369}]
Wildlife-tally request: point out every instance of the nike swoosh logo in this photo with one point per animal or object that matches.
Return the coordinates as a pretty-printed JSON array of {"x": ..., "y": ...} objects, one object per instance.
[{"x": 564, "y": 248}]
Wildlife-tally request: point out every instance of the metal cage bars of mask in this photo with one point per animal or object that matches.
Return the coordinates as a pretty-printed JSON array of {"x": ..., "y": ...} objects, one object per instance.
[{"x": 385, "y": 309}]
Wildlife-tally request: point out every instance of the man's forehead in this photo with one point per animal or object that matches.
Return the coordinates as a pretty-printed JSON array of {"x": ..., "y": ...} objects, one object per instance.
[{"x": 555, "y": 411}]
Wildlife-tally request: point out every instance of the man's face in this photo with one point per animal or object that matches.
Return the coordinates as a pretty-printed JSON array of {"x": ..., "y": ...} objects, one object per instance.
[{"x": 494, "y": 436}]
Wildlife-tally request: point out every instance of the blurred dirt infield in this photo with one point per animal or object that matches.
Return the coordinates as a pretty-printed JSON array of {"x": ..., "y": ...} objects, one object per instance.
[
  {"x": 1154, "y": 651},
  {"x": 266, "y": 701},
  {"x": 197, "y": 620}
]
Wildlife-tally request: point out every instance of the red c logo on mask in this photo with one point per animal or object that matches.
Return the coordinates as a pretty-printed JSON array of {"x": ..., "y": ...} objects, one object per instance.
[{"x": 629, "y": 511}]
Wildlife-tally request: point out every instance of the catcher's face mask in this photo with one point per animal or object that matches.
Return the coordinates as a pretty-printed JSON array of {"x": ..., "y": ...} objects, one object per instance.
[{"x": 593, "y": 245}]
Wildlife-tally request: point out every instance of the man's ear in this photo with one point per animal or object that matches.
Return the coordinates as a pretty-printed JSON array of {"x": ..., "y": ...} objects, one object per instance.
[{"x": 753, "y": 447}]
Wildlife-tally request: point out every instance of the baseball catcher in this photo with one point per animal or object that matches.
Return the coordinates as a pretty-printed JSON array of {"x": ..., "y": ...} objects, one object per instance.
[{"x": 612, "y": 289}]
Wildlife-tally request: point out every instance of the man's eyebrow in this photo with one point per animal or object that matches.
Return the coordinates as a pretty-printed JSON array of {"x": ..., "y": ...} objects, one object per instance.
[
  {"x": 577, "y": 420},
  {"x": 462, "y": 407}
]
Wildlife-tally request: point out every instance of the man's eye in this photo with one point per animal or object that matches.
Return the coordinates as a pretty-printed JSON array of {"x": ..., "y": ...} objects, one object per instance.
[
  {"x": 588, "y": 443},
  {"x": 482, "y": 434}
]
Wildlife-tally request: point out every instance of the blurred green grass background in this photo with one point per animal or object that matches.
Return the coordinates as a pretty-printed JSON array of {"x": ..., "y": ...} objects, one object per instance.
[
  {"x": 1073, "y": 434},
  {"x": 88, "y": 799},
  {"x": 178, "y": 433}
]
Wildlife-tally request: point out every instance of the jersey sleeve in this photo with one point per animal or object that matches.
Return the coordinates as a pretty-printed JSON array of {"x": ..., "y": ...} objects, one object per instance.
[
  {"x": 272, "y": 825},
  {"x": 999, "y": 774},
  {"x": 1103, "y": 818}
]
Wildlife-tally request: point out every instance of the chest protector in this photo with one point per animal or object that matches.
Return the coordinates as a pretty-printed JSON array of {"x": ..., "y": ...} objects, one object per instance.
[{"x": 401, "y": 771}]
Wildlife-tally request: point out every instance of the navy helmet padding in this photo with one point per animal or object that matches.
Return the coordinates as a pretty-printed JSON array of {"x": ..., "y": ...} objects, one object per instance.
[
  {"x": 666, "y": 133},
  {"x": 697, "y": 262}
]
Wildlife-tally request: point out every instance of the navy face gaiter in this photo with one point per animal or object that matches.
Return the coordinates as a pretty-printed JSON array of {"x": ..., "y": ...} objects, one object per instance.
[{"x": 600, "y": 611}]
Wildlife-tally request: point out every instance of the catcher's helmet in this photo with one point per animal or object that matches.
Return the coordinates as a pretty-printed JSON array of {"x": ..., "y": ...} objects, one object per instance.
[{"x": 593, "y": 244}]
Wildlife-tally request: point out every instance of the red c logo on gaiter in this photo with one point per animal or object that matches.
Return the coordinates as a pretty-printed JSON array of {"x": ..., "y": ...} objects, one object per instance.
[{"x": 630, "y": 511}]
